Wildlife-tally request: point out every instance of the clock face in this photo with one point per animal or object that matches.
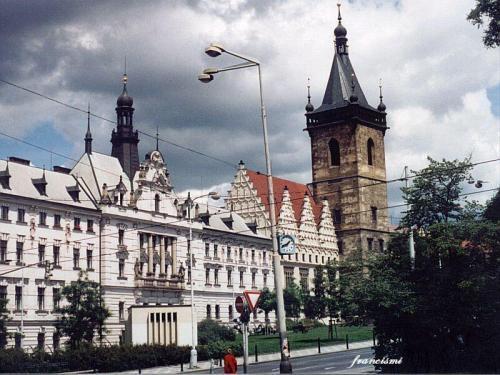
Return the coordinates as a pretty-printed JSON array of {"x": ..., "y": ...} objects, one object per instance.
[{"x": 286, "y": 244}]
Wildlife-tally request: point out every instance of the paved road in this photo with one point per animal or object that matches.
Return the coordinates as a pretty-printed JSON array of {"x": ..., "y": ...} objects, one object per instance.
[{"x": 330, "y": 363}]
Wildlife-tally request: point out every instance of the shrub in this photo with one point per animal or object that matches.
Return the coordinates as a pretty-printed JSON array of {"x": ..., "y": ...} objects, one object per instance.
[
  {"x": 217, "y": 349},
  {"x": 209, "y": 330}
]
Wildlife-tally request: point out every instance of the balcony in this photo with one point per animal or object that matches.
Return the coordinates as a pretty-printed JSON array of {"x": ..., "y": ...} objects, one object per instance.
[{"x": 159, "y": 283}]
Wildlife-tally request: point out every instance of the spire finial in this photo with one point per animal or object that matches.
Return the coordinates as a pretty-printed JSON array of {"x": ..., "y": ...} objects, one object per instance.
[
  {"x": 381, "y": 107},
  {"x": 125, "y": 77},
  {"x": 88, "y": 135},
  {"x": 309, "y": 106},
  {"x": 157, "y": 138},
  {"x": 339, "y": 16}
]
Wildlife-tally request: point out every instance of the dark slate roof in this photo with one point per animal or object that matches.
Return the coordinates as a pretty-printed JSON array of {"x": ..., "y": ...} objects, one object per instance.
[{"x": 339, "y": 87}]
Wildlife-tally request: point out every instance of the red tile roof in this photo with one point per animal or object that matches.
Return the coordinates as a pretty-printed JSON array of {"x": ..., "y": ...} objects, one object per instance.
[{"x": 296, "y": 190}]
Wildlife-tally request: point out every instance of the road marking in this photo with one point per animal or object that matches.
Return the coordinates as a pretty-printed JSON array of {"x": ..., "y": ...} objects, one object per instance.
[
  {"x": 329, "y": 368},
  {"x": 275, "y": 369}
]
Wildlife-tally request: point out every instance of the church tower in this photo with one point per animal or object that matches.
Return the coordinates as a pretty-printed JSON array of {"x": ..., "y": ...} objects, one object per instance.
[
  {"x": 348, "y": 157},
  {"x": 124, "y": 138}
]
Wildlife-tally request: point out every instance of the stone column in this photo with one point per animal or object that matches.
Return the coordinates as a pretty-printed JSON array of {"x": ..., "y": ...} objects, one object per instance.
[
  {"x": 162, "y": 257},
  {"x": 150, "y": 255},
  {"x": 173, "y": 245}
]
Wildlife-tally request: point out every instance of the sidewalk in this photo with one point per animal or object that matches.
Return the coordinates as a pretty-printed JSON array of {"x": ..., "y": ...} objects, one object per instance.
[{"x": 205, "y": 365}]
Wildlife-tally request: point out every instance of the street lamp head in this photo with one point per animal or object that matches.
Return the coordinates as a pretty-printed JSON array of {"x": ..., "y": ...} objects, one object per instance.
[
  {"x": 214, "y": 50},
  {"x": 211, "y": 71},
  {"x": 205, "y": 78}
]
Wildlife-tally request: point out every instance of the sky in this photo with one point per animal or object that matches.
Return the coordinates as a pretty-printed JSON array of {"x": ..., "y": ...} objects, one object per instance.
[{"x": 440, "y": 84}]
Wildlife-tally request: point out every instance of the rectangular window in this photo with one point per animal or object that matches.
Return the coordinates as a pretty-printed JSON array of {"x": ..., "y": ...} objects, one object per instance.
[
  {"x": 121, "y": 310},
  {"x": 41, "y": 299},
  {"x": 41, "y": 254},
  {"x": 374, "y": 214},
  {"x": 241, "y": 254},
  {"x": 41, "y": 340},
  {"x": 207, "y": 249},
  {"x": 229, "y": 253},
  {"x": 370, "y": 244},
  {"x": 229, "y": 277},
  {"x": 121, "y": 268},
  {"x": 76, "y": 259},
  {"x": 230, "y": 312},
  {"x": 19, "y": 252},
  {"x": 3, "y": 292},
  {"x": 76, "y": 223},
  {"x": 216, "y": 276},
  {"x": 19, "y": 297},
  {"x": 89, "y": 259},
  {"x": 3, "y": 251},
  {"x": 90, "y": 226},
  {"x": 5, "y": 213},
  {"x": 288, "y": 276},
  {"x": 310, "y": 258},
  {"x": 121, "y": 236},
  {"x": 56, "y": 297},
  {"x": 264, "y": 278},
  {"x": 253, "y": 256},
  {"x": 303, "y": 257},
  {"x": 241, "y": 278},
  {"x": 42, "y": 218},
  {"x": 254, "y": 278},
  {"x": 209, "y": 312},
  {"x": 20, "y": 215},
  {"x": 316, "y": 259},
  {"x": 304, "y": 280},
  {"x": 337, "y": 216},
  {"x": 264, "y": 257},
  {"x": 217, "y": 312},
  {"x": 381, "y": 245},
  {"x": 216, "y": 252},
  {"x": 57, "y": 221},
  {"x": 207, "y": 276},
  {"x": 57, "y": 252}
]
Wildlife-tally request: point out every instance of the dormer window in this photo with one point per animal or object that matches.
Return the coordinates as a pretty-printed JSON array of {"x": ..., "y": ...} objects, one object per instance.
[
  {"x": 74, "y": 192},
  {"x": 40, "y": 184},
  {"x": 228, "y": 222},
  {"x": 5, "y": 178}
]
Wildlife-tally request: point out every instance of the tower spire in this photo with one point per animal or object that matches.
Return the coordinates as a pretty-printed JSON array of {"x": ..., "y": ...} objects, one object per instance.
[
  {"x": 309, "y": 106},
  {"x": 381, "y": 107},
  {"x": 340, "y": 35},
  {"x": 157, "y": 138},
  {"x": 88, "y": 135}
]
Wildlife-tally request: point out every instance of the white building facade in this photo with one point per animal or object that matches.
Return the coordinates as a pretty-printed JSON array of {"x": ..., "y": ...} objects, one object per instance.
[{"x": 131, "y": 235}]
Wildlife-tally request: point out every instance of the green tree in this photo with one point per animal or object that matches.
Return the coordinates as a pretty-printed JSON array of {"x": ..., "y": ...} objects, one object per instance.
[
  {"x": 315, "y": 305},
  {"x": 4, "y": 317},
  {"x": 267, "y": 301},
  {"x": 492, "y": 211},
  {"x": 487, "y": 11},
  {"x": 292, "y": 299},
  {"x": 435, "y": 192},
  {"x": 85, "y": 312}
]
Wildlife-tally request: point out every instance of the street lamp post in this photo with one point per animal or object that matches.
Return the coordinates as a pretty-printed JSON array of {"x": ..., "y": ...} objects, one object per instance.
[
  {"x": 215, "y": 50},
  {"x": 189, "y": 204}
]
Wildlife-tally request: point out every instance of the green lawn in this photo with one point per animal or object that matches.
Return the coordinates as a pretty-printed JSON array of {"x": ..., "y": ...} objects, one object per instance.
[{"x": 270, "y": 344}]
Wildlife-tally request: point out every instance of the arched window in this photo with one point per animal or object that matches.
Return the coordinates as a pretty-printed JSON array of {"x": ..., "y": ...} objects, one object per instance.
[
  {"x": 157, "y": 203},
  {"x": 370, "y": 148},
  {"x": 334, "y": 152}
]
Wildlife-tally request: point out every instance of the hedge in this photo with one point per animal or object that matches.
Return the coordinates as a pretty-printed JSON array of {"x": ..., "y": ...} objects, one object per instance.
[{"x": 105, "y": 359}]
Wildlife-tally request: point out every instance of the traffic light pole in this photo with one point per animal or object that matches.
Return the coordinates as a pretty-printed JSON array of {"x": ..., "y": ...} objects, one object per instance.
[{"x": 245, "y": 348}]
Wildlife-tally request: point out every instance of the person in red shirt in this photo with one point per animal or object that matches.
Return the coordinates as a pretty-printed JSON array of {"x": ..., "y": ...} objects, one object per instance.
[{"x": 230, "y": 364}]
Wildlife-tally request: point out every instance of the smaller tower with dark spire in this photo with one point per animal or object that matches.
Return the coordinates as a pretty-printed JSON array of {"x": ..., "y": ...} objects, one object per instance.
[
  {"x": 124, "y": 138},
  {"x": 88, "y": 135},
  {"x": 381, "y": 106}
]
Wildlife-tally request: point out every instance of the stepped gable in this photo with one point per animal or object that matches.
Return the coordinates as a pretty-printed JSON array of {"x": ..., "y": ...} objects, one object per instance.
[{"x": 296, "y": 190}]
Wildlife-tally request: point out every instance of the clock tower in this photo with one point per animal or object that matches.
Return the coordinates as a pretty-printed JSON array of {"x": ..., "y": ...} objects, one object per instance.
[{"x": 348, "y": 157}]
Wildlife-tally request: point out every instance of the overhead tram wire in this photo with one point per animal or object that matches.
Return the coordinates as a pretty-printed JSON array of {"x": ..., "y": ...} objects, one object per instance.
[
  {"x": 238, "y": 232},
  {"x": 186, "y": 148}
]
